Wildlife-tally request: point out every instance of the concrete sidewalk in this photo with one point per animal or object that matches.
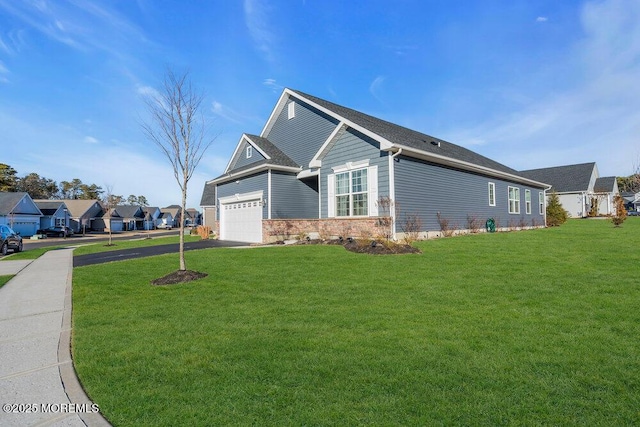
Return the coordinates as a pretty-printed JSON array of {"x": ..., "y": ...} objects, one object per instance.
[{"x": 38, "y": 385}]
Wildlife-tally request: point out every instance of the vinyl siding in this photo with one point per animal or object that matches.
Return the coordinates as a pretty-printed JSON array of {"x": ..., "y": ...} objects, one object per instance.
[
  {"x": 241, "y": 160},
  {"x": 425, "y": 189},
  {"x": 247, "y": 184},
  {"x": 293, "y": 198},
  {"x": 352, "y": 146},
  {"x": 301, "y": 137}
]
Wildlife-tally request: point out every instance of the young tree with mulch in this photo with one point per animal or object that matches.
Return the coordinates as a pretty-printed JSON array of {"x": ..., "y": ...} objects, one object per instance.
[{"x": 178, "y": 127}]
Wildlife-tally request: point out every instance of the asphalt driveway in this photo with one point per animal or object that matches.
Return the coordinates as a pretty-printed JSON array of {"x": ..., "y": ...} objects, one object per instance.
[{"x": 124, "y": 254}]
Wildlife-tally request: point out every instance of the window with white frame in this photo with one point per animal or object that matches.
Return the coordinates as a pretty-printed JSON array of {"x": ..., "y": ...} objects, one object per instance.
[
  {"x": 514, "y": 200},
  {"x": 492, "y": 194},
  {"x": 352, "y": 193},
  {"x": 291, "y": 110},
  {"x": 527, "y": 201},
  {"x": 249, "y": 152},
  {"x": 541, "y": 202}
]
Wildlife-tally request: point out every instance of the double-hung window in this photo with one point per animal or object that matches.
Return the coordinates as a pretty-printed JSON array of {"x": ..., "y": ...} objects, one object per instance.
[
  {"x": 492, "y": 194},
  {"x": 514, "y": 200},
  {"x": 352, "y": 193},
  {"x": 527, "y": 201},
  {"x": 541, "y": 202}
]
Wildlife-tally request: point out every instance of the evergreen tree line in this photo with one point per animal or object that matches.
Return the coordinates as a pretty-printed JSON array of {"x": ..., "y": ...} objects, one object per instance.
[{"x": 44, "y": 188}]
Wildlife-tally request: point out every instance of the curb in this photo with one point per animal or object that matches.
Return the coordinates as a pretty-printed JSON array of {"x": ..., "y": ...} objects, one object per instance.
[{"x": 70, "y": 382}]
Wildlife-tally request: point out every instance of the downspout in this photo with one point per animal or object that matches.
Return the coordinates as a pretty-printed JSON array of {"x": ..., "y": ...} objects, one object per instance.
[
  {"x": 545, "y": 204},
  {"x": 392, "y": 193}
]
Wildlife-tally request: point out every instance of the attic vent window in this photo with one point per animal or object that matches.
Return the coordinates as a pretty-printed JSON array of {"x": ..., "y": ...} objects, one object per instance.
[
  {"x": 291, "y": 110},
  {"x": 249, "y": 151},
  {"x": 436, "y": 143}
]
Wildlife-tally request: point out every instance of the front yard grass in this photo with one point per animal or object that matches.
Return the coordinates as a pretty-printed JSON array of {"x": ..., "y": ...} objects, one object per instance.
[
  {"x": 525, "y": 328},
  {"x": 4, "y": 279}
]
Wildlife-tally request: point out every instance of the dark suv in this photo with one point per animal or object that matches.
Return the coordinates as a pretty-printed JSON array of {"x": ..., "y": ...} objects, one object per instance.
[{"x": 9, "y": 239}]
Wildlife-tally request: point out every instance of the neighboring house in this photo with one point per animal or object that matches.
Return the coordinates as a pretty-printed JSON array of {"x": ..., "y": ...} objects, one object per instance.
[
  {"x": 54, "y": 213},
  {"x": 20, "y": 212},
  {"x": 318, "y": 167},
  {"x": 151, "y": 215},
  {"x": 631, "y": 201},
  {"x": 176, "y": 214},
  {"x": 195, "y": 217},
  {"x": 580, "y": 188},
  {"x": 84, "y": 215},
  {"x": 165, "y": 219},
  {"x": 208, "y": 204},
  {"x": 132, "y": 217},
  {"x": 109, "y": 220}
]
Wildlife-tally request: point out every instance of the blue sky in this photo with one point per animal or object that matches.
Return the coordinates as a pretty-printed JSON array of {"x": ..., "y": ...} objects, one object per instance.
[{"x": 528, "y": 83}]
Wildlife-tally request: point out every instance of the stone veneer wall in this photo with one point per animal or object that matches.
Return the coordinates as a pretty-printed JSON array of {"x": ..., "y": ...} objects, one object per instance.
[{"x": 283, "y": 229}]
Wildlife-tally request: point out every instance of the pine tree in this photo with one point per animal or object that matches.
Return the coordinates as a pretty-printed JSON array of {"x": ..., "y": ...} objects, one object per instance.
[{"x": 556, "y": 215}]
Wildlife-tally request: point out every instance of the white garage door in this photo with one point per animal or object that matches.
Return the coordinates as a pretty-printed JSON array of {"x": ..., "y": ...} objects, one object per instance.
[{"x": 241, "y": 220}]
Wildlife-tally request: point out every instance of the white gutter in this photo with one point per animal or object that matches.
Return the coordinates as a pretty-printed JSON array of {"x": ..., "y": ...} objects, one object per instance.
[
  {"x": 461, "y": 164},
  {"x": 251, "y": 171}
]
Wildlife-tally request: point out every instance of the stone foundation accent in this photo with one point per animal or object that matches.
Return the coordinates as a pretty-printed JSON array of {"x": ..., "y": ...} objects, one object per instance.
[{"x": 274, "y": 230}]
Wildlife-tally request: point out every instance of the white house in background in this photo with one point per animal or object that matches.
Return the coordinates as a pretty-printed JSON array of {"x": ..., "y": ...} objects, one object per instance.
[
  {"x": 19, "y": 211},
  {"x": 165, "y": 220},
  {"x": 151, "y": 215},
  {"x": 579, "y": 187}
]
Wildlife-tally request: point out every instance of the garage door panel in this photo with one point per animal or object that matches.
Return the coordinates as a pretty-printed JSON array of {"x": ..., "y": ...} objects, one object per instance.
[{"x": 241, "y": 221}]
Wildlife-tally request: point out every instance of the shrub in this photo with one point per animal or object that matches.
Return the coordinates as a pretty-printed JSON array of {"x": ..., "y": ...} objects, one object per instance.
[
  {"x": 621, "y": 213},
  {"x": 411, "y": 226},
  {"x": 556, "y": 215}
]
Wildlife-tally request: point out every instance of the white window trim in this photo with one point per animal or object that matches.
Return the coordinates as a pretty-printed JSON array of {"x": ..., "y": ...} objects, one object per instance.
[
  {"x": 516, "y": 200},
  {"x": 349, "y": 166},
  {"x": 372, "y": 190},
  {"x": 541, "y": 202},
  {"x": 527, "y": 202},
  {"x": 249, "y": 151},
  {"x": 492, "y": 194}
]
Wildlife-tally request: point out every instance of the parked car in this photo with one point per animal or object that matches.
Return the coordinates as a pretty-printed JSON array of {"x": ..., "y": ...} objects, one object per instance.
[
  {"x": 164, "y": 226},
  {"x": 9, "y": 239},
  {"x": 57, "y": 231}
]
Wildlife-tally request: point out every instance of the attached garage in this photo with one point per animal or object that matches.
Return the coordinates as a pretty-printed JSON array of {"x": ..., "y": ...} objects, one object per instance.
[
  {"x": 26, "y": 227},
  {"x": 241, "y": 217}
]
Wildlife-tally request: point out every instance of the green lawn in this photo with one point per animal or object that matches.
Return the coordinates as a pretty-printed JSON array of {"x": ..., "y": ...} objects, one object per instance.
[
  {"x": 133, "y": 243},
  {"x": 525, "y": 328},
  {"x": 5, "y": 279}
]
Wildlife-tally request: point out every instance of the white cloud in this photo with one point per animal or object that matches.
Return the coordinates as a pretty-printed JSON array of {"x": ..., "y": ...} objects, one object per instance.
[
  {"x": 542, "y": 19},
  {"x": 273, "y": 85},
  {"x": 256, "y": 18},
  {"x": 90, "y": 140},
  {"x": 596, "y": 119},
  {"x": 376, "y": 86},
  {"x": 226, "y": 113}
]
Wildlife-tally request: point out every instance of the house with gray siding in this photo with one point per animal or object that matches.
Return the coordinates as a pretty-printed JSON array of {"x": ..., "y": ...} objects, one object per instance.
[{"x": 324, "y": 169}]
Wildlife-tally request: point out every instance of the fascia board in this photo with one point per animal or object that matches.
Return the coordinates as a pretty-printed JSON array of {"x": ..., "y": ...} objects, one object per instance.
[
  {"x": 385, "y": 144},
  {"x": 254, "y": 145},
  {"x": 276, "y": 112},
  {"x": 316, "y": 161},
  {"x": 251, "y": 171},
  {"x": 460, "y": 164},
  {"x": 233, "y": 156}
]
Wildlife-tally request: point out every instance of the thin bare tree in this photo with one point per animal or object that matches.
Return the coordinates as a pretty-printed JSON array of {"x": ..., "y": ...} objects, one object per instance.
[{"x": 177, "y": 126}]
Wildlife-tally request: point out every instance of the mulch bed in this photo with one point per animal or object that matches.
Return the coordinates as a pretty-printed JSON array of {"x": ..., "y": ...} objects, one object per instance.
[
  {"x": 179, "y": 276},
  {"x": 372, "y": 247}
]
